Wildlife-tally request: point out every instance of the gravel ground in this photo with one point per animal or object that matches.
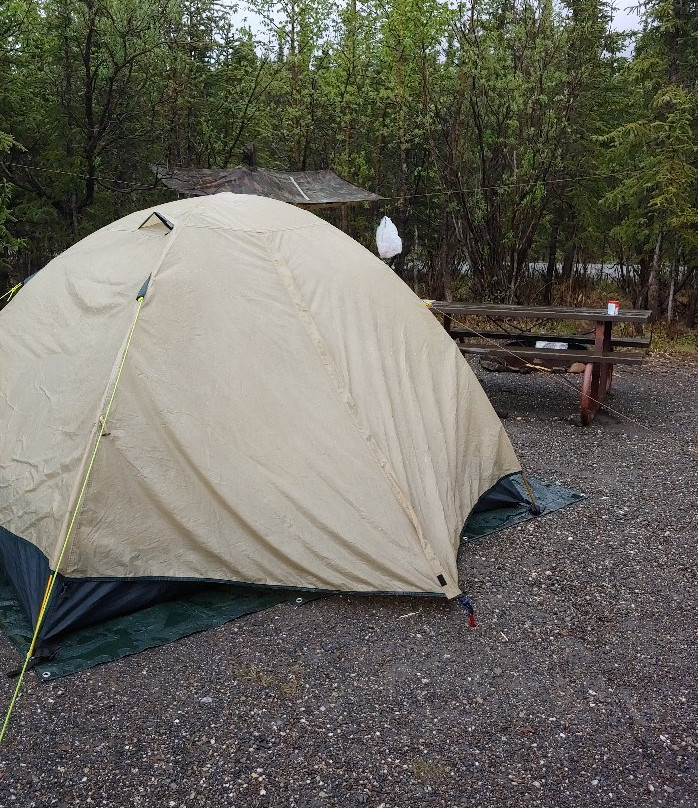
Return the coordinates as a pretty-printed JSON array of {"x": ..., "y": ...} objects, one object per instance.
[{"x": 576, "y": 688}]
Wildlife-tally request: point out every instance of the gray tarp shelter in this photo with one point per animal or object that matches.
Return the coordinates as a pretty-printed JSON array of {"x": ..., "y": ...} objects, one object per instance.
[{"x": 306, "y": 189}]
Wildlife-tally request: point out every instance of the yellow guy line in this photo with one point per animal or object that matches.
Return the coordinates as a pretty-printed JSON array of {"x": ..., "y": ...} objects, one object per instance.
[
  {"x": 52, "y": 578},
  {"x": 11, "y": 292}
]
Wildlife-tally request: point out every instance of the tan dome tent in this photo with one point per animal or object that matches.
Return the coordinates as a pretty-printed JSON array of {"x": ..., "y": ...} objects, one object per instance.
[{"x": 229, "y": 389}]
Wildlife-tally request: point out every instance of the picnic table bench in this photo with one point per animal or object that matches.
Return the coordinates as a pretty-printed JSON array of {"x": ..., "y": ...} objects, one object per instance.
[{"x": 599, "y": 358}]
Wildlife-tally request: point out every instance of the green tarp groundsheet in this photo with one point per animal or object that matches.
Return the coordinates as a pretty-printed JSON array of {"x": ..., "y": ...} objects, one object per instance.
[
  {"x": 214, "y": 606},
  {"x": 548, "y": 496}
]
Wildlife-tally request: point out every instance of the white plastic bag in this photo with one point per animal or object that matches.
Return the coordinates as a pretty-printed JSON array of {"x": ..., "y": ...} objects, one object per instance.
[{"x": 388, "y": 241}]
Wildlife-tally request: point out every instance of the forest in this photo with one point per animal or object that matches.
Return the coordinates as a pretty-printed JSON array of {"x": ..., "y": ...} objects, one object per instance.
[{"x": 521, "y": 146}]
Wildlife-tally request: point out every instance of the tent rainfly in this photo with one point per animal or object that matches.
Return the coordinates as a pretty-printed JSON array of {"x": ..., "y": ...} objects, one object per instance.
[{"x": 229, "y": 389}]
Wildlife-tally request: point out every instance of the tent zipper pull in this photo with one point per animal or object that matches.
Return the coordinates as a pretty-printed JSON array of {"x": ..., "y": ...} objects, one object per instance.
[{"x": 467, "y": 604}]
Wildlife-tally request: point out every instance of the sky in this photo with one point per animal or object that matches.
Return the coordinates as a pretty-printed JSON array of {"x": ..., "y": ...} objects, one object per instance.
[{"x": 624, "y": 20}]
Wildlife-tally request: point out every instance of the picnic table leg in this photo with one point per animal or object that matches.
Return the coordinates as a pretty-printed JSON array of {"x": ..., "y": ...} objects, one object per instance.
[
  {"x": 587, "y": 400},
  {"x": 597, "y": 376},
  {"x": 602, "y": 344},
  {"x": 447, "y": 323}
]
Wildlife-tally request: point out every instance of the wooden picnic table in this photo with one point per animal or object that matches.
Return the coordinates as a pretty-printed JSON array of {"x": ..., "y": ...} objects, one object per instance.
[{"x": 599, "y": 359}]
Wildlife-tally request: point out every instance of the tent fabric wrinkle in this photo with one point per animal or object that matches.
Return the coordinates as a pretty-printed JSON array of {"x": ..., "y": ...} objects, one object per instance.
[{"x": 289, "y": 414}]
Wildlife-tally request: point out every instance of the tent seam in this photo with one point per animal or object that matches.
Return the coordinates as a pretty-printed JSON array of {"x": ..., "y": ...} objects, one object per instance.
[{"x": 285, "y": 274}]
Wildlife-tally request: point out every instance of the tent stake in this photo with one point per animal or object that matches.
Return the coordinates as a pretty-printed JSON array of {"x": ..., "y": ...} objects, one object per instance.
[{"x": 535, "y": 508}]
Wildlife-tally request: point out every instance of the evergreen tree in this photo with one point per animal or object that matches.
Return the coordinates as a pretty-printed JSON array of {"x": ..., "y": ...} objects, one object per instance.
[{"x": 657, "y": 153}]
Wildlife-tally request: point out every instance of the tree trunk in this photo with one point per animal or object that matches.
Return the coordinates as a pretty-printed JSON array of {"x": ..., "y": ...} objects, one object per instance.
[
  {"x": 653, "y": 281},
  {"x": 415, "y": 268},
  {"x": 672, "y": 286},
  {"x": 552, "y": 262},
  {"x": 568, "y": 268},
  {"x": 568, "y": 261},
  {"x": 692, "y": 309}
]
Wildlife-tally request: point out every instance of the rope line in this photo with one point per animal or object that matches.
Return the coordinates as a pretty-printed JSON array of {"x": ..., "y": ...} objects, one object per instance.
[
  {"x": 502, "y": 186},
  {"x": 53, "y": 576}
]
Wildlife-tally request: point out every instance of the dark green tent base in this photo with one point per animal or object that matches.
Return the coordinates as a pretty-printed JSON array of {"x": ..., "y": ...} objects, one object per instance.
[
  {"x": 548, "y": 497},
  {"x": 147, "y": 628},
  {"x": 207, "y": 608}
]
